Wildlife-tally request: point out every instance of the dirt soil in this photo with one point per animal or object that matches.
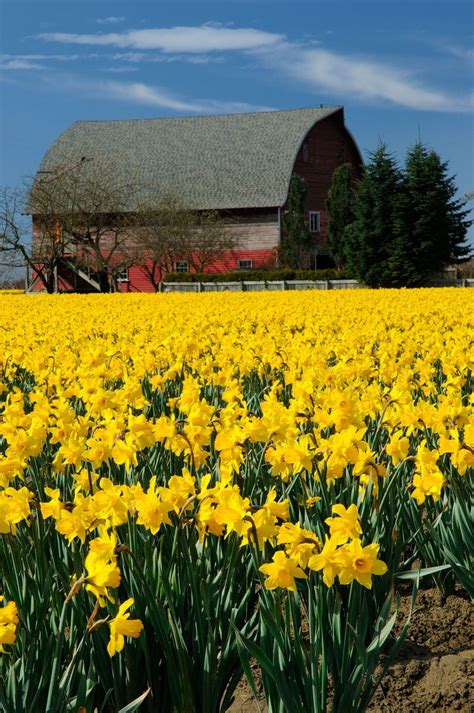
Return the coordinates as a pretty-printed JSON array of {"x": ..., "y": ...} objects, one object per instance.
[{"x": 433, "y": 672}]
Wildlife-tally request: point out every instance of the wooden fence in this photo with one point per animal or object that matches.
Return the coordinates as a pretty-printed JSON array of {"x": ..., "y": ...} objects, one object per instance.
[
  {"x": 259, "y": 286},
  {"x": 263, "y": 286}
]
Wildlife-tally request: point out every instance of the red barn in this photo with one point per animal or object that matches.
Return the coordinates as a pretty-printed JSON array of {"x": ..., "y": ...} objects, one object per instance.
[{"x": 238, "y": 164}]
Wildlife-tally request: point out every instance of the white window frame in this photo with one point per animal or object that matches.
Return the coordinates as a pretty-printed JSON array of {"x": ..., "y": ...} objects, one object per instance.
[
  {"x": 314, "y": 221},
  {"x": 181, "y": 266},
  {"x": 245, "y": 267},
  {"x": 123, "y": 275}
]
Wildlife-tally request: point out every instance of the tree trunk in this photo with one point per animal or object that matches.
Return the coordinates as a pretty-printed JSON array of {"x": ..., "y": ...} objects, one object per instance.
[
  {"x": 103, "y": 279},
  {"x": 50, "y": 282}
]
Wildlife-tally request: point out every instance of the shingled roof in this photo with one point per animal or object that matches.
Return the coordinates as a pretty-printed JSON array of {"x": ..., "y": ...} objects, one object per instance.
[{"x": 215, "y": 162}]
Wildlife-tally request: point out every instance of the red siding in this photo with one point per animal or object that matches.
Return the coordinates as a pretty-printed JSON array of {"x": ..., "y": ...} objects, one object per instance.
[
  {"x": 139, "y": 282},
  {"x": 326, "y": 146}
]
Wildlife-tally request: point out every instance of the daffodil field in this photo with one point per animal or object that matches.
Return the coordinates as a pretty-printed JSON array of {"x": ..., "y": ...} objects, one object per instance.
[{"x": 190, "y": 483}]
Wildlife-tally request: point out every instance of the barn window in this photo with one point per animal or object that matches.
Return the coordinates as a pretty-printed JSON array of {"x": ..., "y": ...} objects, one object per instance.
[
  {"x": 181, "y": 266},
  {"x": 245, "y": 264},
  {"x": 314, "y": 222},
  {"x": 123, "y": 275}
]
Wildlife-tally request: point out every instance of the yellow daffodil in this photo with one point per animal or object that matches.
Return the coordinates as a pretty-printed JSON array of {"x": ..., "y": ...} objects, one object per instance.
[
  {"x": 121, "y": 626},
  {"x": 8, "y": 624},
  {"x": 328, "y": 560},
  {"x": 282, "y": 572},
  {"x": 346, "y": 525},
  {"x": 359, "y": 563}
]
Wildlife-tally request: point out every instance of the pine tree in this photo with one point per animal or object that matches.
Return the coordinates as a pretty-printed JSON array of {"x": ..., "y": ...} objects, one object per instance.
[
  {"x": 296, "y": 237},
  {"x": 402, "y": 268},
  {"x": 369, "y": 239},
  {"x": 432, "y": 223},
  {"x": 340, "y": 211}
]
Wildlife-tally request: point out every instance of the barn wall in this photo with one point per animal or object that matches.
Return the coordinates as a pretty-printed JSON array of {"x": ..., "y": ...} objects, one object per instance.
[
  {"x": 326, "y": 146},
  {"x": 257, "y": 235},
  {"x": 255, "y": 229},
  {"x": 138, "y": 281}
]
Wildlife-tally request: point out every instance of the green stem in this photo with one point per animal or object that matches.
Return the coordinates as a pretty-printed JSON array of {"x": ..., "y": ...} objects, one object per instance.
[
  {"x": 313, "y": 662},
  {"x": 56, "y": 658}
]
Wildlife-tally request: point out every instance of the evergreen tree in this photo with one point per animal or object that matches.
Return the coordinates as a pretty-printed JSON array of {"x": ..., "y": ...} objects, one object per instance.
[
  {"x": 340, "y": 211},
  {"x": 296, "y": 237},
  {"x": 431, "y": 224},
  {"x": 402, "y": 268},
  {"x": 369, "y": 239}
]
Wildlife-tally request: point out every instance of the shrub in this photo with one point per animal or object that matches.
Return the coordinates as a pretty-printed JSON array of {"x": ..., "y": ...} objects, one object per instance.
[{"x": 256, "y": 275}]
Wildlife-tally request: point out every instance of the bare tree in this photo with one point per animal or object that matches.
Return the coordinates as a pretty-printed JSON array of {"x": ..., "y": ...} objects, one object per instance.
[
  {"x": 43, "y": 257},
  {"x": 94, "y": 212},
  {"x": 162, "y": 236},
  {"x": 211, "y": 238},
  {"x": 9, "y": 272},
  {"x": 171, "y": 232},
  {"x": 93, "y": 224}
]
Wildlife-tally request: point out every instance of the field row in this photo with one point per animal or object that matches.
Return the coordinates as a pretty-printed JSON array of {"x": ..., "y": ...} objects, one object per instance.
[{"x": 189, "y": 481}]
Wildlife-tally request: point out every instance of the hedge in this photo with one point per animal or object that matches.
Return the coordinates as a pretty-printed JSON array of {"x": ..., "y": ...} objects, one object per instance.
[{"x": 256, "y": 275}]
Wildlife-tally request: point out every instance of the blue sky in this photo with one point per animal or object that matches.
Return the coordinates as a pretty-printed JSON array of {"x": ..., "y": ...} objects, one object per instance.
[{"x": 401, "y": 69}]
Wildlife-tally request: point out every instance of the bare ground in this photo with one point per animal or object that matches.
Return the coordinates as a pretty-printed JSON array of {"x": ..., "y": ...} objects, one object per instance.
[{"x": 434, "y": 670}]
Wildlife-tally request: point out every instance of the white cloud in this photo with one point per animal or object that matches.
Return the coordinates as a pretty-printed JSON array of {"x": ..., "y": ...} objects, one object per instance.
[
  {"x": 122, "y": 70},
  {"x": 206, "y": 38},
  {"x": 461, "y": 52},
  {"x": 15, "y": 64},
  {"x": 40, "y": 57},
  {"x": 131, "y": 56},
  {"x": 344, "y": 76},
  {"x": 136, "y": 57},
  {"x": 200, "y": 59},
  {"x": 145, "y": 94},
  {"x": 112, "y": 20}
]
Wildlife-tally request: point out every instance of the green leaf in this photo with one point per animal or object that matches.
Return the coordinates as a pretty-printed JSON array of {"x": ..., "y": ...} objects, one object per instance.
[
  {"x": 133, "y": 705},
  {"x": 379, "y": 640},
  {"x": 245, "y": 644},
  {"x": 419, "y": 573}
]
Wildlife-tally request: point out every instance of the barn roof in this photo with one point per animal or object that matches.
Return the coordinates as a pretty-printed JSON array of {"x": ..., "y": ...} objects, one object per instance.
[{"x": 215, "y": 162}]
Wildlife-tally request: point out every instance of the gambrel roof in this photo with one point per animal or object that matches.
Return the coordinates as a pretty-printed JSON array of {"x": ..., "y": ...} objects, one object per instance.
[{"x": 215, "y": 162}]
